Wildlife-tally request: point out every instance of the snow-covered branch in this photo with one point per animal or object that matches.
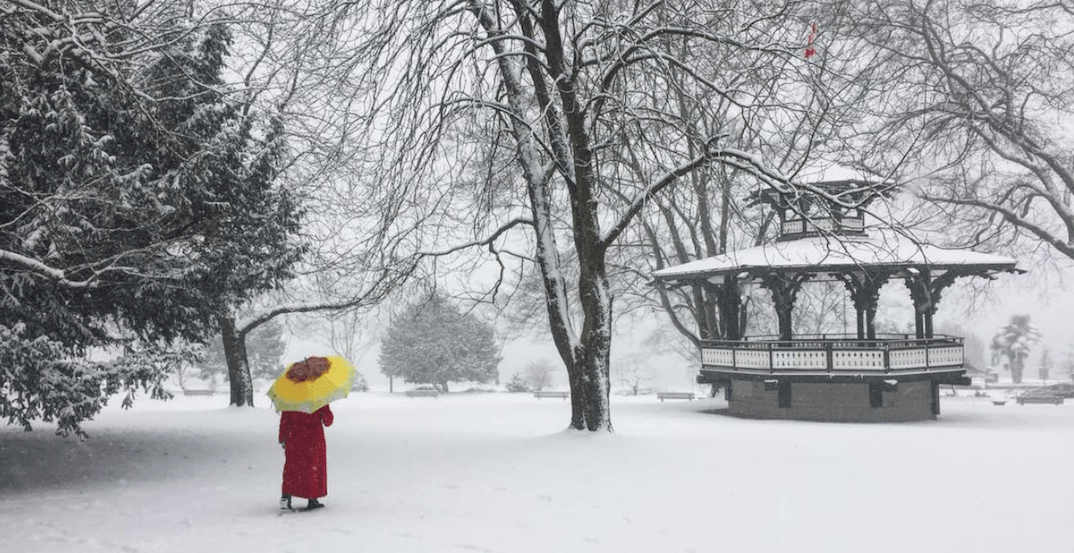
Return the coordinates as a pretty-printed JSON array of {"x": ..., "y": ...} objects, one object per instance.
[
  {"x": 642, "y": 197},
  {"x": 482, "y": 242},
  {"x": 386, "y": 281},
  {"x": 1009, "y": 214},
  {"x": 34, "y": 266}
]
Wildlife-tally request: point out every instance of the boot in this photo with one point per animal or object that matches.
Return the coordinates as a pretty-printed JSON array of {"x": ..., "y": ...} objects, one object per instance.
[
  {"x": 285, "y": 502},
  {"x": 314, "y": 504}
]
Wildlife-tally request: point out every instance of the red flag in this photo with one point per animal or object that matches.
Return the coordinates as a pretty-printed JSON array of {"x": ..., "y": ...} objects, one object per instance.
[{"x": 809, "y": 51}]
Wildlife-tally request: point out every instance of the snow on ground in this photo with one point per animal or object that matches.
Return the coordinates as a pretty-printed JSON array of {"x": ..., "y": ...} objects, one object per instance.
[{"x": 496, "y": 473}]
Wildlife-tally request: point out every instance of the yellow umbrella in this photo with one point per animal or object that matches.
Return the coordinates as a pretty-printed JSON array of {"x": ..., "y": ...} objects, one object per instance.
[{"x": 312, "y": 383}]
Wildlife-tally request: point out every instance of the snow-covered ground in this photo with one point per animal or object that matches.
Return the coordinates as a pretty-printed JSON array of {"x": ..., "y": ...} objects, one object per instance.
[{"x": 496, "y": 473}]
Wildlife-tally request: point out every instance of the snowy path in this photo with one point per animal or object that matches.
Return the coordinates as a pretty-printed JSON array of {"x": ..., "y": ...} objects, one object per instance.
[{"x": 495, "y": 474}]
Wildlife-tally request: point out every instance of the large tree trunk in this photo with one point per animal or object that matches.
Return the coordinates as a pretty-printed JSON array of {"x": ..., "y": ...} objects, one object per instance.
[
  {"x": 586, "y": 355},
  {"x": 594, "y": 409},
  {"x": 238, "y": 366},
  {"x": 591, "y": 389}
]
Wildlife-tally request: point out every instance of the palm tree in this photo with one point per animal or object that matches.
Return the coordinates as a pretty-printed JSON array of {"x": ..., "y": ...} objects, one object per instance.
[{"x": 1014, "y": 341}]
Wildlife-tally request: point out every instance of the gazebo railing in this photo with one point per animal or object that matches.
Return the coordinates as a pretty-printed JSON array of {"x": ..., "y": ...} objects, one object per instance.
[
  {"x": 799, "y": 227},
  {"x": 833, "y": 353}
]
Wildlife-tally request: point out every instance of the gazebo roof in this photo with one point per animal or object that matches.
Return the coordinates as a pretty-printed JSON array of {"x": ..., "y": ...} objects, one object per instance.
[{"x": 834, "y": 254}]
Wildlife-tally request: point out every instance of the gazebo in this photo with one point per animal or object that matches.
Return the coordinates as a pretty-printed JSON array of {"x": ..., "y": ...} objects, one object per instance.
[{"x": 862, "y": 377}]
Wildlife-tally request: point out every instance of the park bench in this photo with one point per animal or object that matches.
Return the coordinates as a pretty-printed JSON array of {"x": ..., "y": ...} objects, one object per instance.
[
  {"x": 1055, "y": 400},
  {"x": 422, "y": 393},
  {"x": 198, "y": 392},
  {"x": 674, "y": 395},
  {"x": 542, "y": 394}
]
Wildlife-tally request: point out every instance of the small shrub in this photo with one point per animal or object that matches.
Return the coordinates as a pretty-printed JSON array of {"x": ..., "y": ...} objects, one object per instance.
[{"x": 517, "y": 384}]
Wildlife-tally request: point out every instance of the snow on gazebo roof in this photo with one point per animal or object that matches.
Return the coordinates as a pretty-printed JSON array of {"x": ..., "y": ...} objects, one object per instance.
[{"x": 838, "y": 254}]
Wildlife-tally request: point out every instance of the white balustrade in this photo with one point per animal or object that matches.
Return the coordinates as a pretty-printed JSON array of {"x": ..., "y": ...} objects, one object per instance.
[
  {"x": 752, "y": 359},
  {"x": 798, "y": 359},
  {"x": 822, "y": 225},
  {"x": 794, "y": 226},
  {"x": 869, "y": 360},
  {"x": 851, "y": 223},
  {"x": 944, "y": 357},
  {"x": 846, "y": 355},
  {"x": 719, "y": 357},
  {"x": 909, "y": 358}
]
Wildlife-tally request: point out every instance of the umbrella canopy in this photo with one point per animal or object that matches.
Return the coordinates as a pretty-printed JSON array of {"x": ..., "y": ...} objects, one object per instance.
[{"x": 312, "y": 383}]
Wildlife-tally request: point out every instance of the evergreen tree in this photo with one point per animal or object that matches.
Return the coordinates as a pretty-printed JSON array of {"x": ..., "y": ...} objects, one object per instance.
[
  {"x": 433, "y": 342},
  {"x": 136, "y": 201},
  {"x": 1014, "y": 341},
  {"x": 517, "y": 384}
]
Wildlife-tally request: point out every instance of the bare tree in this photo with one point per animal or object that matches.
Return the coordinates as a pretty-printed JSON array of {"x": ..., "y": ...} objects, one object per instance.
[
  {"x": 713, "y": 213},
  {"x": 538, "y": 374},
  {"x": 1068, "y": 362},
  {"x": 577, "y": 94},
  {"x": 975, "y": 103},
  {"x": 350, "y": 337},
  {"x": 358, "y": 248},
  {"x": 1044, "y": 369},
  {"x": 635, "y": 376}
]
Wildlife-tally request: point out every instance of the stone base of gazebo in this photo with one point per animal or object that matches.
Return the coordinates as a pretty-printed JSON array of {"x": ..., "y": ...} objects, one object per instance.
[
  {"x": 888, "y": 378},
  {"x": 834, "y": 402}
]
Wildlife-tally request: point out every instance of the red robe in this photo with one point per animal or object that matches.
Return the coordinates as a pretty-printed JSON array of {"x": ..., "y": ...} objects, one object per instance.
[{"x": 305, "y": 468}]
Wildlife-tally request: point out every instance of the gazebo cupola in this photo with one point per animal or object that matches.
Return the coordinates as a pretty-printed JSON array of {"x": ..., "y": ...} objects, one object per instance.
[
  {"x": 863, "y": 376},
  {"x": 835, "y": 208}
]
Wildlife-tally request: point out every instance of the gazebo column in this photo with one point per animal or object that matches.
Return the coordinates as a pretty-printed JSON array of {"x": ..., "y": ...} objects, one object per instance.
[
  {"x": 864, "y": 288},
  {"x": 706, "y": 296},
  {"x": 729, "y": 304},
  {"x": 784, "y": 293},
  {"x": 925, "y": 291},
  {"x": 921, "y": 294}
]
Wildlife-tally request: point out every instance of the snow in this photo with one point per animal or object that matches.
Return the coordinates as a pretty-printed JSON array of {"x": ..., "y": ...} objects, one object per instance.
[
  {"x": 827, "y": 253},
  {"x": 496, "y": 473},
  {"x": 35, "y": 265}
]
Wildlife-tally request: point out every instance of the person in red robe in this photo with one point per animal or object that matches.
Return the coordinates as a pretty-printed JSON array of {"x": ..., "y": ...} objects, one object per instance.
[{"x": 305, "y": 467}]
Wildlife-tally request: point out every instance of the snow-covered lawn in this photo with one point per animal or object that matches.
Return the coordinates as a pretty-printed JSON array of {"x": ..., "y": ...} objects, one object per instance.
[{"x": 495, "y": 473}]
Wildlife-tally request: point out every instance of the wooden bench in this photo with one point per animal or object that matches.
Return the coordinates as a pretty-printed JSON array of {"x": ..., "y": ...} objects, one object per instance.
[
  {"x": 674, "y": 395},
  {"x": 198, "y": 392},
  {"x": 1040, "y": 399},
  {"x": 422, "y": 393},
  {"x": 561, "y": 395}
]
